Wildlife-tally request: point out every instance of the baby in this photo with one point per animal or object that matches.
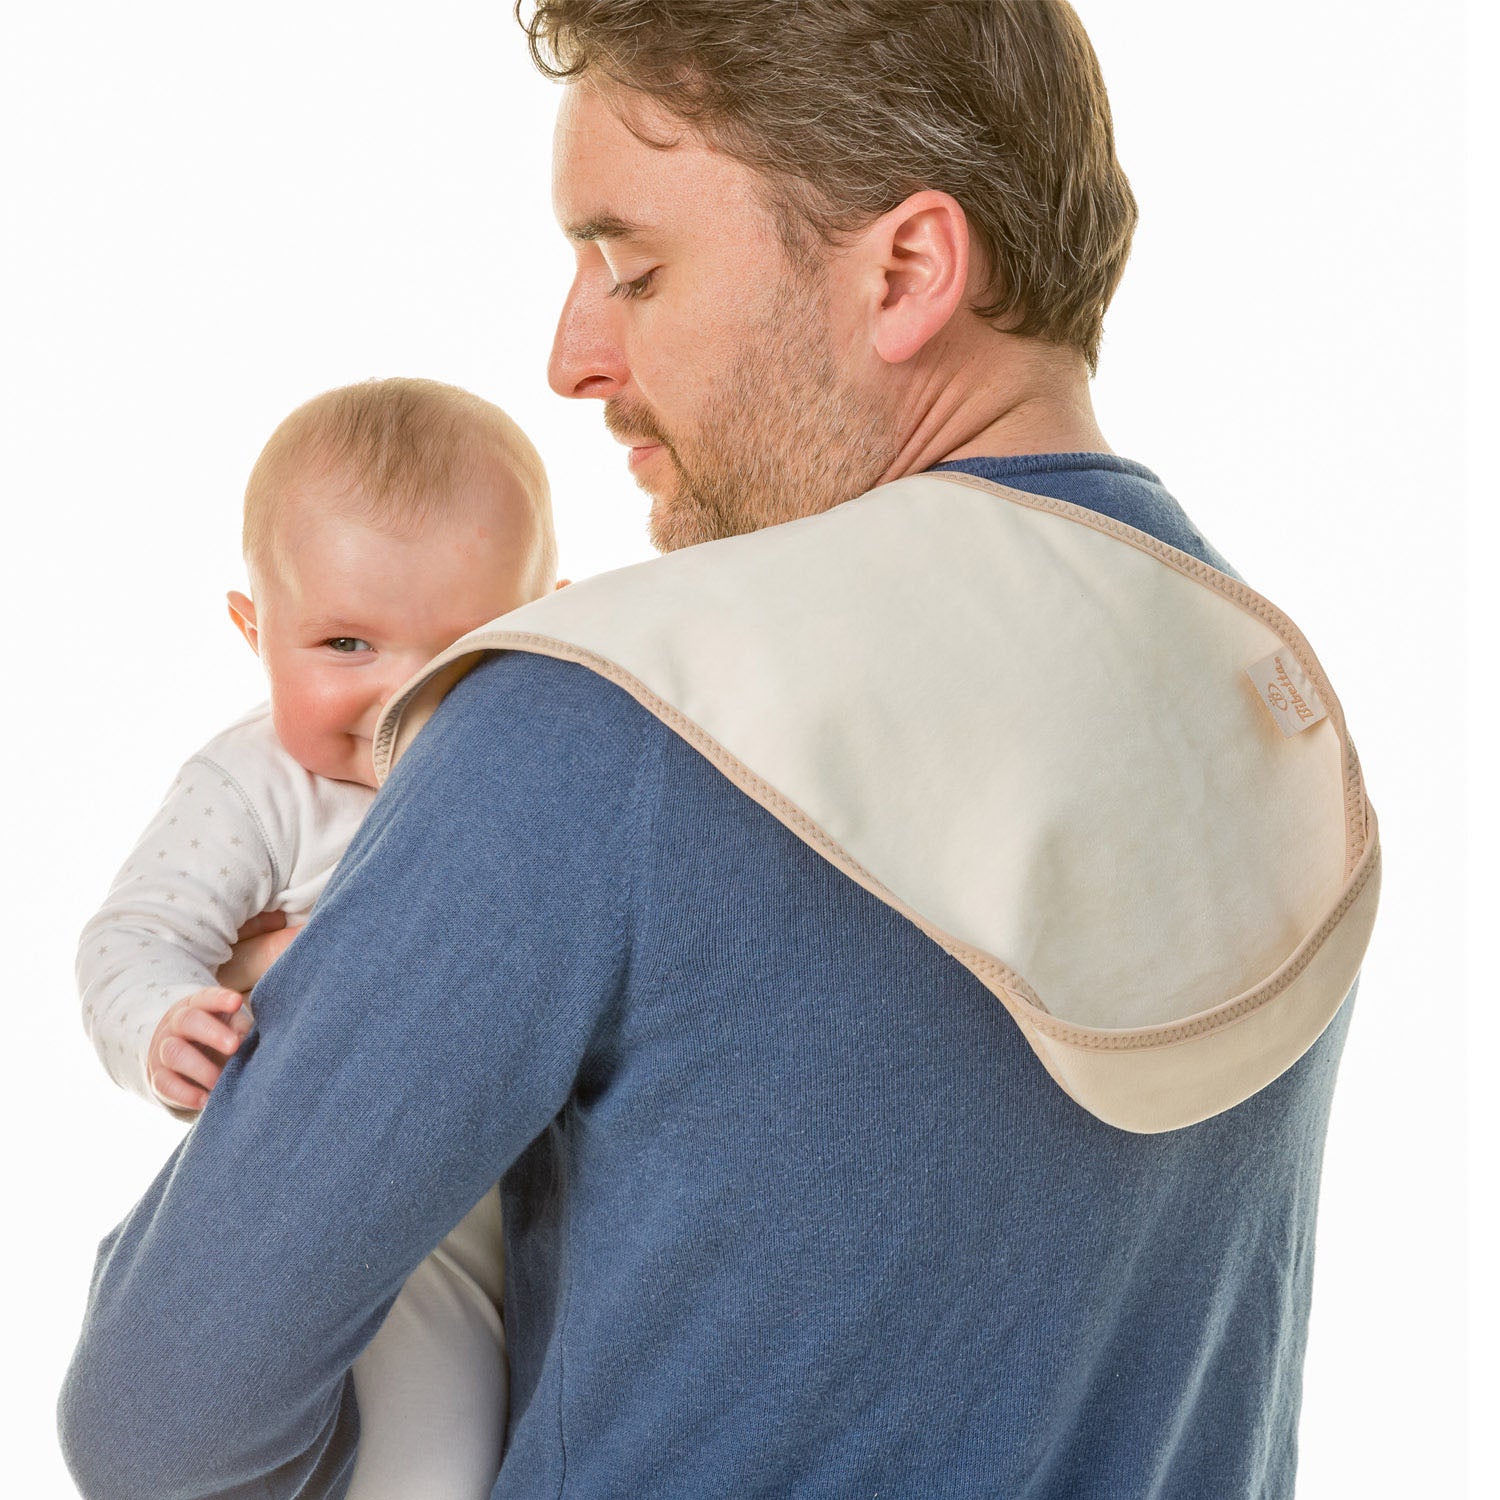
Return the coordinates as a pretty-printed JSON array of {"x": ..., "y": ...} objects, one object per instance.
[{"x": 382, "y": 521}]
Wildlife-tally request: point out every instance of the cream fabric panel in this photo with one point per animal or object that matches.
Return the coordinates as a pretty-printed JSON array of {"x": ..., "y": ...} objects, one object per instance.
[
  {"x": 1040, "y": 738},
  {"x": 1163, "y": 1085}
]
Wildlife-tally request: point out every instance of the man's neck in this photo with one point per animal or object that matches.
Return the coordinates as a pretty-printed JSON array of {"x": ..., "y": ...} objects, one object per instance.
[{"x": 1034, "y": 401}]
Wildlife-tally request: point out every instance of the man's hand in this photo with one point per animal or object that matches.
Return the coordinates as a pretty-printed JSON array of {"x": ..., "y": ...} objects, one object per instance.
[
  {"x": 262, "y": 940},
  {"x": 192, "y": 1042}
]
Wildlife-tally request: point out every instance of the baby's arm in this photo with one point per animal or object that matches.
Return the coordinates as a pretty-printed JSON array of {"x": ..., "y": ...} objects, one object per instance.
[{"x": 147, "y": 958}]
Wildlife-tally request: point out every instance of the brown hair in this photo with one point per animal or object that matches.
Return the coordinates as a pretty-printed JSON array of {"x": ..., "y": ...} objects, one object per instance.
[
  {"x": 850, "y": 106},
  {"x": 404, "y": 447}
]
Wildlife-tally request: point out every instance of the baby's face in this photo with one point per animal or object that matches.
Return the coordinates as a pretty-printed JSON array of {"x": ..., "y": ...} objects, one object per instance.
[{"x": 350, "y": 613}]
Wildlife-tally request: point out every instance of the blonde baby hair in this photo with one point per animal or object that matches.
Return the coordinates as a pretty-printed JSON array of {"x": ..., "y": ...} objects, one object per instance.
[{"x": 404, "y": 447}]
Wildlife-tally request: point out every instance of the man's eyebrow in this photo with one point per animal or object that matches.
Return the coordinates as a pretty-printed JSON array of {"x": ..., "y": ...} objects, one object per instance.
[{"x": 603, "y": 227}]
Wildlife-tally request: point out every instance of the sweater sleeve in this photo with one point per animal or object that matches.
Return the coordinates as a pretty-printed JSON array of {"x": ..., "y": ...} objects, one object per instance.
[
  {"x": 425, "y": 1027},
  {"x": 201, "y": 869}
]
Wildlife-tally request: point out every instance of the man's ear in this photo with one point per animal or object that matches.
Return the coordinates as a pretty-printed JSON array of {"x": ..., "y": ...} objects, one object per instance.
[
  {"x": 918, "y": 254},
  {"x": 242, "y": 612}
]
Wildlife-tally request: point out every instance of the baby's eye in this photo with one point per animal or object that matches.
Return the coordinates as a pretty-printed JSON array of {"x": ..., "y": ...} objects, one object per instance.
[{"x": 347, "y": 644}]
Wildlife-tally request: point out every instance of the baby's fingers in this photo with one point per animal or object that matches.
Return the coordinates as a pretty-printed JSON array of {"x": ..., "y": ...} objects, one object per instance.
[
  {"x": 205, "y": 1027},
  {"x": 179, "y": 1056},
  {"x": 175, "y": 1089},
  {"x": 223, "y": 1001}
]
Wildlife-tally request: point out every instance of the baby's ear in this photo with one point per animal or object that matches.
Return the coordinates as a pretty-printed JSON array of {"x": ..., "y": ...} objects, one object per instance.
[
  {"x": 242, "y": 612},
  {"x": 562, "y": 583}
]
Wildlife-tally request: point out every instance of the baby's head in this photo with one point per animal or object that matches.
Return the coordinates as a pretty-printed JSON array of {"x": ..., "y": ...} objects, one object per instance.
[{"x": 382, "y": 521}]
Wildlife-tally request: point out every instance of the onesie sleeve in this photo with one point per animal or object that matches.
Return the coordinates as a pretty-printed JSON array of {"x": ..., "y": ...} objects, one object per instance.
[{"x": 202, "y": 868}]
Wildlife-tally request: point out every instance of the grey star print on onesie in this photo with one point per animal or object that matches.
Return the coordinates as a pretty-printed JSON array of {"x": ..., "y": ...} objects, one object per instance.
[{"x": 244, "y": 829}]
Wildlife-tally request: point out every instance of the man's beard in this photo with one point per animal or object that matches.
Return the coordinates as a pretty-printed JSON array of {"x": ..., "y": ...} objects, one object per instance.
[{"x": 778, "y": 438}]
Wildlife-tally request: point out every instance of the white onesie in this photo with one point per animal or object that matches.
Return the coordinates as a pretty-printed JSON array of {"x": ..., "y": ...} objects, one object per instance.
[{"x": 245, "y": 829}]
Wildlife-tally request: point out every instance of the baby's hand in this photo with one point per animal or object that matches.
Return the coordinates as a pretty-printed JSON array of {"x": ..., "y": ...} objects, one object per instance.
[
  {"x": 191, "y": 1044},
  {"x": 262, "y": 940}
]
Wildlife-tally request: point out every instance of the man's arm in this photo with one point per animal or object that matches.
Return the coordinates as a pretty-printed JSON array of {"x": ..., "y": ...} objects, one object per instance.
[{"x": 425, "y": 1027}]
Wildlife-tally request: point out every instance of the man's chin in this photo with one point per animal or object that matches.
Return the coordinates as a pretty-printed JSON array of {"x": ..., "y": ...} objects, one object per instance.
[
  {"x": 682, "y": 515},
  {"x": 676, "y": 523},
  {"x": 673, "y": 522},
  {"x": 663, "y": 526}
]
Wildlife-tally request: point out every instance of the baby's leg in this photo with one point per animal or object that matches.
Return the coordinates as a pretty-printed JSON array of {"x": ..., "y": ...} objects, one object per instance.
[{"x": 432, "y": 1384}]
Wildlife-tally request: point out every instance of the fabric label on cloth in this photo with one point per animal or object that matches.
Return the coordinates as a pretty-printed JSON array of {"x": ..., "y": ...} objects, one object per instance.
[{"x": 1285, "y": 690}]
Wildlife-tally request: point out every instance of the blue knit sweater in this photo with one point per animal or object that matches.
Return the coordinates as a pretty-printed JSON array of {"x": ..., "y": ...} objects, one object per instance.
[{"x": 791, "y": 1208}]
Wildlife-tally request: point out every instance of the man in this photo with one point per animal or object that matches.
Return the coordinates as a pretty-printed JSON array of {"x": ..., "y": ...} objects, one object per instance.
[{"x": 769, "y": 954}]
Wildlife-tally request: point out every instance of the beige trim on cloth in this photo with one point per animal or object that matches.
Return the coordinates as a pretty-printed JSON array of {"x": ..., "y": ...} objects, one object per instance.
[{"x": 1059, "y": 746}]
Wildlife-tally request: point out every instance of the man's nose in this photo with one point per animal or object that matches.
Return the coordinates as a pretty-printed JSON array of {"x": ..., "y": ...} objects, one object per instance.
[{"x": 586, "y": 357}]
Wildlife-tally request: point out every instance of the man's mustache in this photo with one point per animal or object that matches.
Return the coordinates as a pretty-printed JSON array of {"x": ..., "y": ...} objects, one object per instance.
[{"x": 633, "y": 424}]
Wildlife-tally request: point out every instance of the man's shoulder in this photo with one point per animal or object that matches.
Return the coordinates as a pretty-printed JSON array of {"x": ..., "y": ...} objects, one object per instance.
[
  {"x": 524, "y": 695},
  {"x": 565, "y": 733}
]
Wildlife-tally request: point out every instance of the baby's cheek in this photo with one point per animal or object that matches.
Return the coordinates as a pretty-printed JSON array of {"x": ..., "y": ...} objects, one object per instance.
[{"x": 312, "y": 723}]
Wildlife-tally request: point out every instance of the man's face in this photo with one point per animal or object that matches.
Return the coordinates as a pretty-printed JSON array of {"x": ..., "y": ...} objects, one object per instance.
[{"x": 726, "y": 368}]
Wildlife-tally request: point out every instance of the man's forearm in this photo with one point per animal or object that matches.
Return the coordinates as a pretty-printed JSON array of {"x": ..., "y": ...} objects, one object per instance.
[
  {"x": 116, "y": 1376},
  {"x": 174, "y": 1392},
  {"x": 426, "y": 1025}
]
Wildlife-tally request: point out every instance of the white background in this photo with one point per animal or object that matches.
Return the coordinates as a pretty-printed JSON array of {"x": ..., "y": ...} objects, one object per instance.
[{"x": 211, "y": 213}]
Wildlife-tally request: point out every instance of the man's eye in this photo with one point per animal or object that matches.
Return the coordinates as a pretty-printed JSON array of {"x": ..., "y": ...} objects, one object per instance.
[
  {"x": 637, "y": 288},
  {"x": 347, "y": 644}
]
